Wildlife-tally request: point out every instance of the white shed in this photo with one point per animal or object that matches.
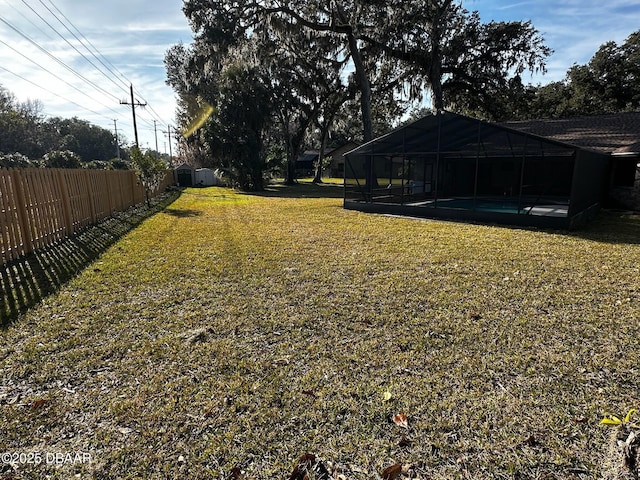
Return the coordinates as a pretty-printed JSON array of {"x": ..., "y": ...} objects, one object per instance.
[{"x": 205, "y": 177}]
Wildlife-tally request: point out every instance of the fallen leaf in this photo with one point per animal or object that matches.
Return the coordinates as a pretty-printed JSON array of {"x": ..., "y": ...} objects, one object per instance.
[
  {"x": 400, "y": 419},
  {"x": 386, "y": 396},
  {"x": 39, "y": 404},
  {"x": 392, "y": 472},
  {"x": 125, "y": 430}
]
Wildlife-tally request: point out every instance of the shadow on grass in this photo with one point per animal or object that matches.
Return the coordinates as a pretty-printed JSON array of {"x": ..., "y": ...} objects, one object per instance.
[
  {"x": 612, "y": 227},
  {"x": 300, "y": 190},
  {"x": 182, "y": 213},
  {"x": 27, "y": 280}
]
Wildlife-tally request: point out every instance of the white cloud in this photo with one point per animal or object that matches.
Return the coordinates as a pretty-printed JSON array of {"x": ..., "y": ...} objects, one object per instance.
[
  {"x": 132, "y": 37},
  {"x": 574, "y": 29}
]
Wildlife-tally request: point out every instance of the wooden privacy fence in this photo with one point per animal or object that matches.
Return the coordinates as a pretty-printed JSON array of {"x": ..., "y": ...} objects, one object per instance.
[{"x": 39, "y": 206}]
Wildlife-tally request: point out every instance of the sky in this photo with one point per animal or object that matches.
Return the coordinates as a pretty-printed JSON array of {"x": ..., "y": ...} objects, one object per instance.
[{"x": 117, "y": 43}]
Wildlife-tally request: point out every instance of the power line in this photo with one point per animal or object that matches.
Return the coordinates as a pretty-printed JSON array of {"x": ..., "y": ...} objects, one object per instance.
[
  {"x": 69, "y": 43},
  {"x": 49, "y": 91},
  {"x": 114, "y": 74},
  {"x": 157, "y": 117},
  {"x": 54, "y": 75},
  {"x": 154, "y": 114},
  {"x": 57, "y": 60},
  {"x": 31, "y": 22},
  {"x": 57, "y": 95},
  {"x": 125, "y": 81}
]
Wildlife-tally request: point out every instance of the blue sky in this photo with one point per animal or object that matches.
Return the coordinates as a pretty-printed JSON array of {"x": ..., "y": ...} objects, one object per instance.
[
  {"x": 574, "y": 29},
  {"x": 132, "y": 37}
]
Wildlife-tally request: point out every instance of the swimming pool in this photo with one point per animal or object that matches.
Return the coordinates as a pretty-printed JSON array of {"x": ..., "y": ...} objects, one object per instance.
[{"x": 498, "y": 205}]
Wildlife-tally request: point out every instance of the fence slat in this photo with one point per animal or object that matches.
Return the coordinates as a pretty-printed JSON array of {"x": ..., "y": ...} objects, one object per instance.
[
  {"x": 13, "y": 228},
  {"x": 66, "y": 202},
  {"x": 23, "y": 222},
  {"x": 41, "y": 206},
  {"x": 92, "y": 206},
  {"x": 6, "y": 220}
]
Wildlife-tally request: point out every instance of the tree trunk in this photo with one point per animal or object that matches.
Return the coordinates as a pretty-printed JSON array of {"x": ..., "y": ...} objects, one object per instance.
[
  {"x": 323, "y": 145},
  {"x": 435, "y": 78},
  {"x": 290, "y": 177},
  {"x": 294, "y": 143},
  {"x": 435, "y": 69},
  {"x": 371, "y": 180},
  {"x": 365, "y": 87}
]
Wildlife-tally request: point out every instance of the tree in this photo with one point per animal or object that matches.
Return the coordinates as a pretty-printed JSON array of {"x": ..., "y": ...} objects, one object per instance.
[
  {"x": 89, "y": 141},
  {"x": 23, "y": 129},
  {"x": 608, "y": 83},
  {"x": 62, "y": 159},
  {"x": 16, "y": 160},
  {"x": 443, "y": 46},
  {"x": 305, "y": 83},
  {"x": 234, "y": 133},
  {"x": 150, "y": 170},
  {"x": 224, "y": 22},
  {"x": 463, "y": 61},
  {"x": 20, "y": 125}
]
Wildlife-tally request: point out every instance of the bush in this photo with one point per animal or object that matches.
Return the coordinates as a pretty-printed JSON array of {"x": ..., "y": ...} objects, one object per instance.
[
  {"x": 62, "y": 159},
  {"x": 120, "y": 164},
  {"x": 149, "y": 168},
  {"x": 16, "y": 160}
]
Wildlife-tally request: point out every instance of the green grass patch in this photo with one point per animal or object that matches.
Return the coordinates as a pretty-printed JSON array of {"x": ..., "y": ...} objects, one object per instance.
[{"x": 242, "y": 331}]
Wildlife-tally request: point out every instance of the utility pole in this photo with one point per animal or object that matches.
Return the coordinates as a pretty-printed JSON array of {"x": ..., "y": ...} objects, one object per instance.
[
  {"x": 168, "y": 132},
  {"x": 155, "y": 132},
  {"x": 134, "y": 104},
  {"x": 115, "y": 125}
]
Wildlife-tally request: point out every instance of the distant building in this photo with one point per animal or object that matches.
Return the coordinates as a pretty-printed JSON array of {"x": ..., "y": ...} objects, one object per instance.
[{"x": 306, "y": 163}]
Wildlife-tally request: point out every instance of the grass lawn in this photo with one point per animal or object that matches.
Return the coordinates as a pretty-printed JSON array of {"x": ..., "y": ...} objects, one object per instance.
[{"x": 230, "y": 334}]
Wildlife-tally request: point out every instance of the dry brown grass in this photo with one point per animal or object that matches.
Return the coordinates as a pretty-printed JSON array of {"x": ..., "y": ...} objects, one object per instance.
[{"x": 238, "y": 331}]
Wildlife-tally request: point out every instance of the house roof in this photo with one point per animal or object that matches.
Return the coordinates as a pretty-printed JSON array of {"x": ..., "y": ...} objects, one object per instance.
[
  {"x": 452, "y": 134},
  {"x": 616, "y": 133},
  {"x": 341, "y": 149},
  {"x": 184, "y": 166},
  {"x": 308, "y": 156}
]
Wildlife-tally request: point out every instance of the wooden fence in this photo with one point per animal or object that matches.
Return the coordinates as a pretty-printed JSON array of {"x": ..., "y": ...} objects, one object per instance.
[{"x": 39, "y": 206}]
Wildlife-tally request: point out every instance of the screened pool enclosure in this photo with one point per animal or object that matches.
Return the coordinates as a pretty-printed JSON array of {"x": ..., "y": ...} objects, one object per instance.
[{"x": 451, "y": 166}]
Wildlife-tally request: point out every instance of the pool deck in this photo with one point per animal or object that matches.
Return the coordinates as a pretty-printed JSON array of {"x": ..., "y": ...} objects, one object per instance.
[{"x": 548, "y": 210}]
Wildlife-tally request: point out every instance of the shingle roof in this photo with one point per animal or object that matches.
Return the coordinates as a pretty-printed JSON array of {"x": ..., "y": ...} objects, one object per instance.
[{"x": 611, "y": 133}]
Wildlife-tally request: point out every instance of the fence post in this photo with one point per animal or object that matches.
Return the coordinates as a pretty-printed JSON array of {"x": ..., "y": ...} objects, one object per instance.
[
  {"x": 66, "y": 202},
  {"x": 21, "y": 207},
  {"x": 92, "y": 207}
]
